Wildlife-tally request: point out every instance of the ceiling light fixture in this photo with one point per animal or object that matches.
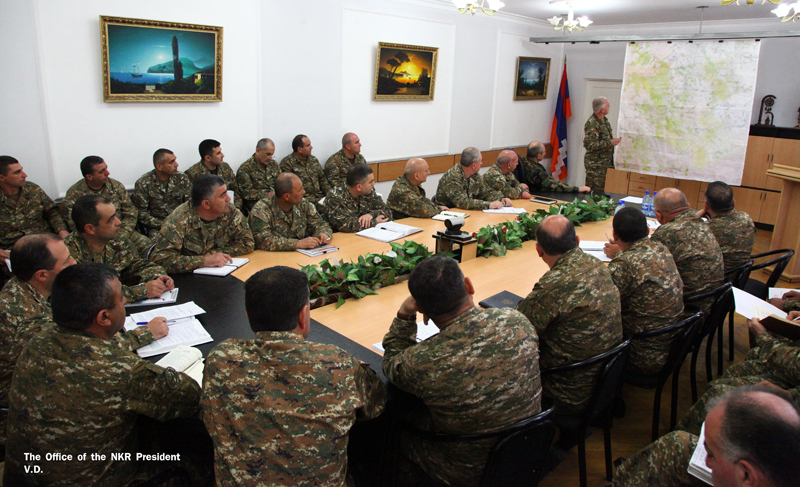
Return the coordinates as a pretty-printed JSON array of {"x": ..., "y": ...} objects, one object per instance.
[
  {"x": 465, "y": 6},
  {"x": 568, "y": 22},
  {"x": 749, "y": 2},
  {"x": 783, "y": 11}
]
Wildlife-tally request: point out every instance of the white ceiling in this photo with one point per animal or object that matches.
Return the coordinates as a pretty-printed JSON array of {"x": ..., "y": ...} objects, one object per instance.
[{"x": 616, "y": 12}]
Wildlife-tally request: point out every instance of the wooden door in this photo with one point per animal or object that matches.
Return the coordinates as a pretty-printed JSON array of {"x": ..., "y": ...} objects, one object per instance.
[
  {"x": 769, "y": 208},
  {"x": 757, "y": 161}
]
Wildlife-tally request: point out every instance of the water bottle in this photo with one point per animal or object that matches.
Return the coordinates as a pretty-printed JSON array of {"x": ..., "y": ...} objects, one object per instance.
[
  {"x": 620, "y": 206},
  {"x": 646, "y": 203}
]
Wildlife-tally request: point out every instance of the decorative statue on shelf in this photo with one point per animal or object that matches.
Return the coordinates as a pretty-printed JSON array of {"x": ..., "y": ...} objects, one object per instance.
[{"x": 766, "y": 110}]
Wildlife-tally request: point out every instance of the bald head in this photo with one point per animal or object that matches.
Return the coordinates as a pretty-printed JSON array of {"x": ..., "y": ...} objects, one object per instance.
[
  {"x": 670, "y": 202},
  {"x": 556, "y": 235},
  {"x": 535, "y": 150},
  {"x": 284, "y": 183},
  {"x": 506, "y": 157}
]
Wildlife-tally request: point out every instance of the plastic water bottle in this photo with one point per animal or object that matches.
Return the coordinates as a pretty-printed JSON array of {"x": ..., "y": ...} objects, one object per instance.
[
  {"x": 620, "y": 206},
  {"x": 653, "y": 205},
  {"x": 646, "y": 203}
]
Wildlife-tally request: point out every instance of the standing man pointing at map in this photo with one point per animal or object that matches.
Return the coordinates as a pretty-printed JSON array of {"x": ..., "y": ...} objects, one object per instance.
[{"x": 599, "y": 145}]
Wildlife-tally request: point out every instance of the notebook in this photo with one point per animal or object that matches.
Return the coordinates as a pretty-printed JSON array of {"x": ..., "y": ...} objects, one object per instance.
[
  {"x": 224, "y": 270},
  {"x": 386, "y": 232},
  {"x": 504, "y": 299}
]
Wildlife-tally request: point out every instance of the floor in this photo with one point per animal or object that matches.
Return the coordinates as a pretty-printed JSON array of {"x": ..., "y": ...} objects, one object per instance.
[{"x": 632, "y": 432}]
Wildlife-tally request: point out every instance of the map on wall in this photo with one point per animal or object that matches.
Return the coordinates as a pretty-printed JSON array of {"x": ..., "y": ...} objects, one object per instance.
[{"x": 685, "y": 109}]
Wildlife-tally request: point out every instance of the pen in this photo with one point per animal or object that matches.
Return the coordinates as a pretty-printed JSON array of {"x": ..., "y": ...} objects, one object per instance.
[{"x": 609, "y": 240}]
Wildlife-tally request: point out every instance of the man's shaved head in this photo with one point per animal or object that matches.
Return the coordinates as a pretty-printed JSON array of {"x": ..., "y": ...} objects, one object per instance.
[
  {"x": 670, "y": 201},
  {"x": 556, "y": 235},
  {"x": 415, "y": 165},
  {"x": 506, "y": 157}
]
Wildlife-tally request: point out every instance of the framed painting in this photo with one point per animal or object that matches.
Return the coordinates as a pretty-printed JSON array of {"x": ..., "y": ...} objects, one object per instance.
[
  {"x": 405, "y": 72},
  {"x": 153, "y": 61},
  {"x": 533, "y": 75}
]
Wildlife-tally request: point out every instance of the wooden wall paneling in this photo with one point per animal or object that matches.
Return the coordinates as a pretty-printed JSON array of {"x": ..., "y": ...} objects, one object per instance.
[
  {"x": 785, "y": 152},
  {"x": 440, "y": 164},
  {"x": 748, "y": 200},
  {"x": 389, "y": 171},
  {"x": 690, "y": 188},
  {"x": 616, "y": 180},
  {"x": 757, "y": 161},
  {"x": 664, "y": 182},
  {"x": 769, "y": 208}
]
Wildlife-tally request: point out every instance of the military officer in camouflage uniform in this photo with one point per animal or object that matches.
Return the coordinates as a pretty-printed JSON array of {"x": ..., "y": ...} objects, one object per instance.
[
  {"x": 750, "y": 439},
  {"x": 256, "y": 176},
  {"x": 97, "y": 240},
  {"x": 96, "y": 180},
  {"x": 308, "y": 169},
  {"x": 500, "y": 177},
  {"x": 692, "y": 245},
  {"x": 286, "y": 221},
  {"x": 212, "y": 162},
  {"x": 24, "y": 207},
  {"x": 734, "y": 230},
  {"x": 790, "y": 301},
  {"x": 599, "y": 145},
  {"x": 25, "y": 308},
  {"x": 486, "y": 359},
  {"x": 76, "y": 391},
  {"x": 279, "y": 407},
  {"x": 462, "y": 186},
  {"x": 537, "y": 176},
  {"x": 337, "y": 165},
  {"x": 650, "y": 289},
  {"x": 407, "y": 198},
  {"x": 575, "y": 309},
  {"x": 774, "y": 360},
  {"x": 160, "y": 191},
  {"x": 203, "y": 232},
  {"x": 356, "y": 206}
]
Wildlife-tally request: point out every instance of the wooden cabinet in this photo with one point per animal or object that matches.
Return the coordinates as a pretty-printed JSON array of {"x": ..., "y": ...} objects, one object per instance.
[
  {"x": 769, "y": 208},
  {"x": 617, "y": 181},
  {"x": 762, "y": 154}
]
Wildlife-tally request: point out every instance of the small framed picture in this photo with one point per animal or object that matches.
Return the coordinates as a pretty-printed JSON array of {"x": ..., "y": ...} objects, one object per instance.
[
  {"x": 533, "y": 75},
  {"x": 152, "y": 61},
  {"x": 405, "y": 72}
]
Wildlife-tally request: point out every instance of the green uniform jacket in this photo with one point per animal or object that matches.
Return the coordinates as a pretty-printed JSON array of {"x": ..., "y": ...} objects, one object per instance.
[
  {"x": 456, "y": 190},
  {"x": 480, "y": 373},
  {"x": 407, "y": 200},
  {"x": 575, "y": 309},
  {"x": 256, "y": 180},
  {"x": 310, "y": 173},
  {"x": 114, "y": 191},
  {"x": 735, "y": 233},
  {"x": 225, "y": 172},
  {"x": 275, "y": 229},
  {"x": 279, "y": 409},
  {"x": 337, "y": 165},
  {"x": 185, "y": 238},
  {"x": 156, "y": 199},
  {"x": 539, "y": 180},
  {"x": 506, "y": 184},
  {"x": 597, "y": 141},
  {"x": 342, "y": 210},
  {"x": 32, "y": 212}
]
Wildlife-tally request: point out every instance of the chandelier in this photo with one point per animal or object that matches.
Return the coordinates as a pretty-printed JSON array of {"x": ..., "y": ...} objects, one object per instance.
[
  {"x": 782, "y": 11},
  {"x": 568, "y": 22},
  {"x": 472, "y": 6}
]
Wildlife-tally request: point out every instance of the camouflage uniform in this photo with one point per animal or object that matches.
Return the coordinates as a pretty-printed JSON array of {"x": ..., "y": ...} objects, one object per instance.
[
  {"x": 24, "y": 312},
  {"x": 539, "y": 180},
  {"x": 120, "y": 255},
  {"x": 225, "y": 172},
  {"x": 651, "y": 292},
  {"x": 736, "y": 234},
  {"x": 774, "y": 359},
  {"x": 75, "y": 393},
  {"x": 480, "y": 373},
  {"x": 126, "y": 211},
  {"x": 697, "y": 255},
  {"x": 455, "y": 190},
  {"x": 406, "y": 200},
  {"x": 256, "y": 181},
  {"x": 185, "y": 238},
  {"x": 506, "y": 184},
  {"x": 575, "y": 309},
  {"x": 791, "y": 305},
  {"x": 337, "y": 165},
  {"x": 279, "y": 409},
  {"x": 29, "y": 211},
  {"x": 275, "y": 229},
  {"x": 310, "y": 173},
  {"x": 155, "y": 199},
  {"x": 342, "y": 210},
  {"x": 663, "y": 463},
  {"x": 599, "y": 152}
]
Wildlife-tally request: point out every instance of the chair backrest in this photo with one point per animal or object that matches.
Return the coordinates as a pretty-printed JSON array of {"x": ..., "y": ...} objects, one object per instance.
[
  {"x": 738, "y": 276},
  {"x": 723, "y": 297},
  {"x": 517, "y": 459},
  {"x": 681, "y": 343},
  {"x": 780, "y": 263}
]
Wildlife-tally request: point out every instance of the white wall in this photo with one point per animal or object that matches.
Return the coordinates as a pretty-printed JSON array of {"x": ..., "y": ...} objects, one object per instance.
[{"x": 304, "y": 66}]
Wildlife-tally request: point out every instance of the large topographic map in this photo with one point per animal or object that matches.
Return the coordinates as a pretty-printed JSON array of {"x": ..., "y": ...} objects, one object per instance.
[{"x": 686, "y": 108}]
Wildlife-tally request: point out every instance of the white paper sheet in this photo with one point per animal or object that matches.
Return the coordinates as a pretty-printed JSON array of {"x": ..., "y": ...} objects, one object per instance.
[
  {"x": 778, "y": 292},
  {"x": 750, "y": 306},
  {"x": 171, "y": 313},
  {"x": 188, "y": 333},
  {"x": 423, "y": 333},
  {"x": 507, "y": 209},
  {"x": 168, "y": 297},
  {"x": 632, "y": 199}
]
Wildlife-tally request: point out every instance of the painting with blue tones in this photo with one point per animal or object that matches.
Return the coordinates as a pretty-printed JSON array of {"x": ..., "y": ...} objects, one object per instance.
[{"x": 533, "y": 75}]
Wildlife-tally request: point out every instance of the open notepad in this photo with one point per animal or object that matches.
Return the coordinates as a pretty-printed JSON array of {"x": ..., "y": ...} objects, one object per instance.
[
  {"x": 450, "y": 214},
  {"x": 386, "y": 232},
  {"x": 423, "y": 333},
  {"x": 594, "y": 248},
  {"x": 224, "y": 270},
  {"x": 772, "y": 318},
  {"x": 168, "y": 297},
  {"x": 186, "y": 332},
  {"x": 697, "y": 465},
  {"x": 317, "y": 251},
  {"x": 188, "y": 360},
  {"x": 507, "y": 210}
]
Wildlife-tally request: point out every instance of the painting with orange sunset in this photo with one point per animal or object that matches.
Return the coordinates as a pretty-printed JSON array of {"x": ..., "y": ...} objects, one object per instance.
[{"x": 405, "y": 72}]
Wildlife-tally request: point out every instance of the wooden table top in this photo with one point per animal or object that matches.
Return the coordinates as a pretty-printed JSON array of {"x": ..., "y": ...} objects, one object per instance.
[{"x": 367, "y": 320}]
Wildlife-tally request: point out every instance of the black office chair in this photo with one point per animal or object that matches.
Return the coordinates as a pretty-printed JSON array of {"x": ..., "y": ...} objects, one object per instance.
[
  {"x": 737, "y": 276},
  {"x": 518, "y": 456},
  {"x": 760, "y": 289},
  {"x": 680, "y": 346},
  {"x": 723, "y": 297},
  {"x": 598, "y": 411}
]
